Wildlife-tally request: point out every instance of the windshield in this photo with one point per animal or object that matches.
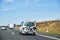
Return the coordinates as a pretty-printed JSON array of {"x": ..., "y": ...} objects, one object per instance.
[{"x": 29, "y": 24}]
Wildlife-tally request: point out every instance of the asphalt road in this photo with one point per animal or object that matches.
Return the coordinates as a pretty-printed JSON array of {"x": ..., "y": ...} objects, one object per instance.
[{"x": 14, "y": 35}]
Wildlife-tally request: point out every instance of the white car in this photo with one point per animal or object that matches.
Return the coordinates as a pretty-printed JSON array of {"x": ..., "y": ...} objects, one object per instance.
[
  {"x": 3, "y": 28},
  {"x": 28, "y": 28}
]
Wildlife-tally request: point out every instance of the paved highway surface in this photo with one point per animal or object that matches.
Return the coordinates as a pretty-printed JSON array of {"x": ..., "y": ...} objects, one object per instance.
[{"x": 14, "y": 35}]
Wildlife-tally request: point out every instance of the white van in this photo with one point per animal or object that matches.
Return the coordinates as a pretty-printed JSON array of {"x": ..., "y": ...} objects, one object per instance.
[
  {"x": 28, "y": 28},
  {"x": 11, "y": 26}
]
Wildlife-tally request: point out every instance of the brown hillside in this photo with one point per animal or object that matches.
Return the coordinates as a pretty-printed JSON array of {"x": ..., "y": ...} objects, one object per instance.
[{"x": 52, "y": 26}]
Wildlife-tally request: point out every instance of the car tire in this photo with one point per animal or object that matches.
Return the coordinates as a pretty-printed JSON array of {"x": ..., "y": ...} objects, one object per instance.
[
  {"x": 19, "y": 32},
  {"x": 34, "y": 34}
]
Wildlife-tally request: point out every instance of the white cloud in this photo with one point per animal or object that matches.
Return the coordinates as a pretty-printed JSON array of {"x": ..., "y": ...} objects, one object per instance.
[
  {"x": 36, "y": 0},
  {"x": 27, "y": 2},
  {"x": 6, "y": 9},
  {"x": 9, "y": 0}
]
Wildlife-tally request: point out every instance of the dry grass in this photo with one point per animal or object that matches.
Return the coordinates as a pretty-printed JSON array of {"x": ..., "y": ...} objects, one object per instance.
[
  {"x": 16, "y": 28},
  {"x": 53, "y": 27}
]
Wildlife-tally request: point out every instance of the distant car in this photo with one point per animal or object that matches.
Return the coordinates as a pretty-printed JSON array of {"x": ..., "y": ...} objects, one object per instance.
[
  {"x": 28, "y": 28},
  {"x": 3, "y": 28}
]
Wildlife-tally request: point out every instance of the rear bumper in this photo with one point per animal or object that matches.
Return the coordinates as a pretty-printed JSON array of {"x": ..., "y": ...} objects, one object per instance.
[
  {"x": 28, "y": 33},
  {"x": 10, "y": 28},
  {"x": 3, "y": 29}
]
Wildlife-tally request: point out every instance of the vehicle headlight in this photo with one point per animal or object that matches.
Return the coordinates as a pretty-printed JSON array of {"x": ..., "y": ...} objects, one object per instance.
[{"x": 25, "y": 29}]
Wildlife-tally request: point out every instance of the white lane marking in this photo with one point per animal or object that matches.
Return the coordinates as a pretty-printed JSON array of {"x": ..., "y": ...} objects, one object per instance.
[
  {"x": 47, "y": 36},
  {"x": 13, "y": 33}
]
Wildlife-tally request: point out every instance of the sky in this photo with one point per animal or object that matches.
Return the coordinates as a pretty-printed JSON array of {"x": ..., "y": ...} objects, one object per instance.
[{"x": 15, "y": 11}]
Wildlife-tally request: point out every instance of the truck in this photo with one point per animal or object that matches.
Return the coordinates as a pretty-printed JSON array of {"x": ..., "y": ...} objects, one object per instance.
[
  {"x": 28, "y": 27},
  {"x": 11, "y": 26}
]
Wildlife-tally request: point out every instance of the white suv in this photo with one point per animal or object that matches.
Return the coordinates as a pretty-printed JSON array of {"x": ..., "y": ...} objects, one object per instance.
[{"x": 28, "y": 28}]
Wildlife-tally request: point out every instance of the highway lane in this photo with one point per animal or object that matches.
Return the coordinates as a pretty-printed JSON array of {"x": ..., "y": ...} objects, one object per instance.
[{"x": 14, "y": 35}]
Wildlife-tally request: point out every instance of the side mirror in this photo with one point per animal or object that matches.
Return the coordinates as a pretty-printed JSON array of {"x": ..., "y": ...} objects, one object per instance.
[
  {"x": 21, "y": 23},
  {"x": 34, "y": 28}
]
